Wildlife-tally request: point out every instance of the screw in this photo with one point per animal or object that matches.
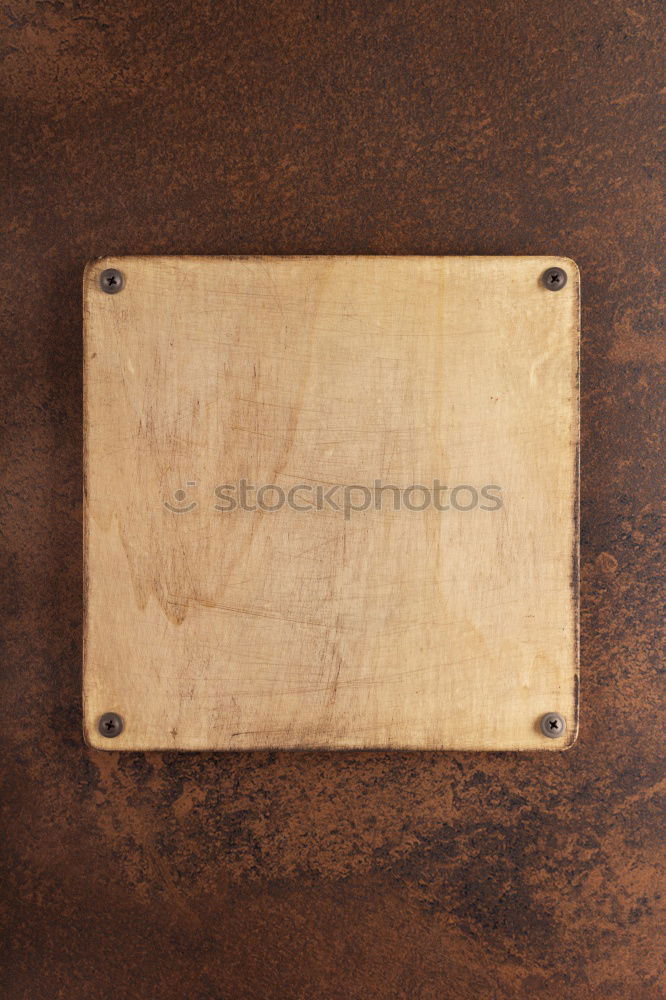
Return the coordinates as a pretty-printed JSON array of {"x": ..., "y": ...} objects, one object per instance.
[
  {"x": 110, "y": 724},
  {"x": 555, "y": 278},
  {"x": 111, "y": 280},
  {"x": 553, "y": 725}
]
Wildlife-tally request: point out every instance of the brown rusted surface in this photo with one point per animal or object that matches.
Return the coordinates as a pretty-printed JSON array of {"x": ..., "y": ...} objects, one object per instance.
[{"x": 296, "y": 127}]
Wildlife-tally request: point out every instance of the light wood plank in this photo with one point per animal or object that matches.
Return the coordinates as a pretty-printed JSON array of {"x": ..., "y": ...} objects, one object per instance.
[{"x": 411, "y": 629}]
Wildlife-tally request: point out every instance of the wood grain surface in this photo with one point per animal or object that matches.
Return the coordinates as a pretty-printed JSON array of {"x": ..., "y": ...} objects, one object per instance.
[
  {"x": 314, "y": 128},
  {"x": 418, "y": 590}
]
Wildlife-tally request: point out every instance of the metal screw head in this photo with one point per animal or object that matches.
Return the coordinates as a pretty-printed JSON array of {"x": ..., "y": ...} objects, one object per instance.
[
  {"x": 554, "y": 279},
  {"x": 111, "y": 280},
  {"x": 553, "y": 725},
  {"x": 110, "y": 724}
]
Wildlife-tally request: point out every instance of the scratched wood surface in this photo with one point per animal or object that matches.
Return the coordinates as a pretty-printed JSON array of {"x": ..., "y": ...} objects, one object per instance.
[{"x": 403, "y": 570}]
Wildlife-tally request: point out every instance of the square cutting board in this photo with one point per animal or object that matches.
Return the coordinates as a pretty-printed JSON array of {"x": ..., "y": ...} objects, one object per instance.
[{"x": 211, "y": 625}]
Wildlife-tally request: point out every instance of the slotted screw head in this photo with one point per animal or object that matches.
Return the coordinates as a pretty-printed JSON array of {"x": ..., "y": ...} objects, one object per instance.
[
  {"x": 554, "y": 279},
  {"x": 111, "y": 280},
  {"x": 553, "y": 725},
  {"x": 110, "y": 724}
]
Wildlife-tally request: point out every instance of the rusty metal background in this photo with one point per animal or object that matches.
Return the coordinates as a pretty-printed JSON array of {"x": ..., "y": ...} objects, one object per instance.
[{"x": 313, "y": 126}]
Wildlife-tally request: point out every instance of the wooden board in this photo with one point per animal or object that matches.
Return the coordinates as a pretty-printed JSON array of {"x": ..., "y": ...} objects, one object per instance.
[{"x": 378, "y": 627}]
